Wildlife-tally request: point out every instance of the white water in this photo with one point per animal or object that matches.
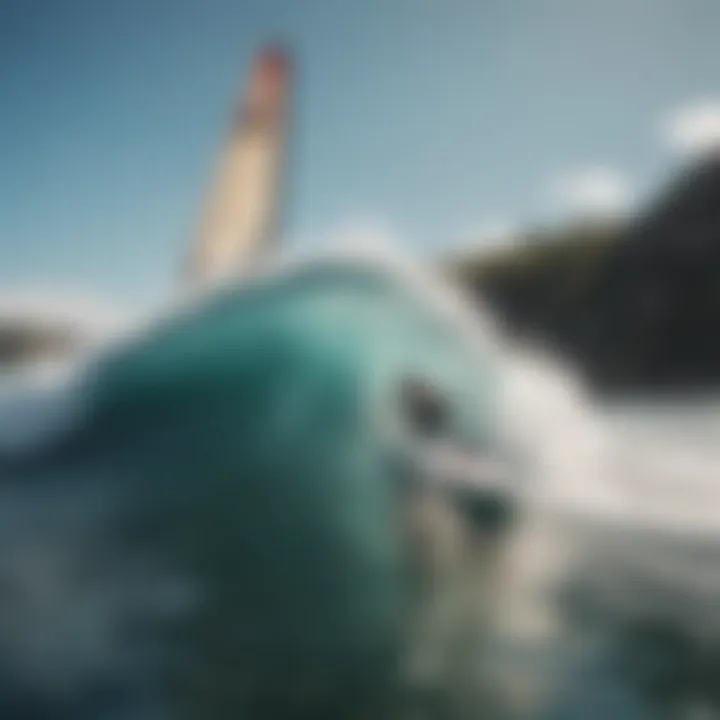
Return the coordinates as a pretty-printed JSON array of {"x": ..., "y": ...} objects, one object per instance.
[
  {"x": 654, "y": 464},
  {"x": 622, "y": 504}
]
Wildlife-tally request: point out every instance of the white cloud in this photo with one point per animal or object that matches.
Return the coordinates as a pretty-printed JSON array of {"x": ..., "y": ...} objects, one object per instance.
[
  {"x": 362, "y": 235},
  {"x": 485, "y": 237},
  {"x": 59, "y": 307},
  {"x": 694, "y": 129},
  {"x": 497, "y": 232},
  {"x": 597, "y": 191}
]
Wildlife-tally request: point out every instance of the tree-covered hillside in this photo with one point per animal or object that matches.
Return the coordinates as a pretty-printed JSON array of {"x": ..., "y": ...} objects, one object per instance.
[{"x": 636, "y": 305}]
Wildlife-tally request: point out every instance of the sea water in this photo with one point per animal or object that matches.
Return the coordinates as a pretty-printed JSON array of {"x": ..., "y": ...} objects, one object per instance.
[{"x": 611, "y": 582}]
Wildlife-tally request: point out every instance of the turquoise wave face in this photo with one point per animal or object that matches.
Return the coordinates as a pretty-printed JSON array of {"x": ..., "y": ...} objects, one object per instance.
[{"x": 263, "y": 451}]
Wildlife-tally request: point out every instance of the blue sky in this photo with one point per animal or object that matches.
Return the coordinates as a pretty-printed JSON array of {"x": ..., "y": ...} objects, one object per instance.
[{"x": 434, "y": 117}]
